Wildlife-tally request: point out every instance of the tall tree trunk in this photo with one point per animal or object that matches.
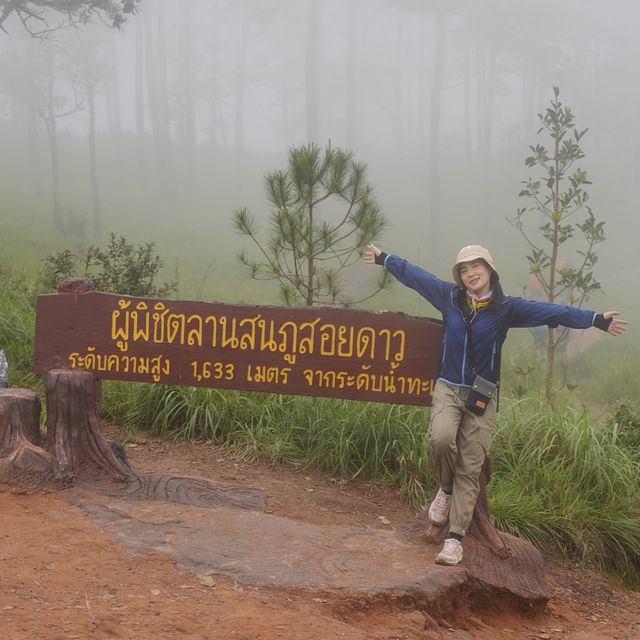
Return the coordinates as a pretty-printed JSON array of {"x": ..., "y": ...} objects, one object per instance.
[
  {"x": 240, "y": 87},
  {"x": 311, "y": 75},
  {"x": 213, "y": 92},
  {"x": 35, "y": 165},
  {"x": 188, "y": 93},
  {"x": 139, "y": 80},
  {"x": 112, "y": 94},
  {"x": 48, "y": 114},
  {"x": 486, "y": 80},
  {"x": 434, "y": 130},
  {"x": 398, "y": 112},
  {"x": 351, "y": 105},
  {"x": 93, "y": 164},
  {"x": 52, "y": 137},
  {"x": 156, "y": 75}
]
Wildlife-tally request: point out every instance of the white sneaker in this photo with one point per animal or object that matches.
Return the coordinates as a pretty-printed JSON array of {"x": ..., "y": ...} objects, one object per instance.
[
  {"x": 439, "y": 508},
  {"x": 451, "y": 553}
]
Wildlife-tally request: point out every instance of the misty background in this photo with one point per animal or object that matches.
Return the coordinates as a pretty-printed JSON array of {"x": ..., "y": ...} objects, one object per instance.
[{"x": 159, "y": 130}]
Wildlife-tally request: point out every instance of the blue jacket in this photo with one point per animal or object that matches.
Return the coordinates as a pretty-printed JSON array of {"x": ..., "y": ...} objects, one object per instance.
[{"x": 489, "y": 326}]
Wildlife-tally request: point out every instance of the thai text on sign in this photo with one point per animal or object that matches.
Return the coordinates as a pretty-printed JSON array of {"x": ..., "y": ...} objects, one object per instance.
[{"x": 339, "y": 353}]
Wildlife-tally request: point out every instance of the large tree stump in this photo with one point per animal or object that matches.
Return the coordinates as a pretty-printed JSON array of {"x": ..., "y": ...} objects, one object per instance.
[
  {"x": 74, "y": 426},
  {"x": 496, "y": 559}
]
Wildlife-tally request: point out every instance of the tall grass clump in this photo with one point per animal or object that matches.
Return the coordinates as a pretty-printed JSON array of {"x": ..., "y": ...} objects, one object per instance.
[
  {"x": 568, "y": 480},
  {"x": 373, "y": 441},
  {"x": 606, "y": 372},
  {"x": 17, "y": 325}
]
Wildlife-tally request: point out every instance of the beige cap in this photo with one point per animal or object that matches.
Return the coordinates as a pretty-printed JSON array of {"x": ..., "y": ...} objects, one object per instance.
[{"x": 469, "y": 253}]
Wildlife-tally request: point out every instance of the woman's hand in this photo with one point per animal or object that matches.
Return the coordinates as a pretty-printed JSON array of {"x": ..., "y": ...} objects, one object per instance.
[
  {"x": 617, "y": 325},
  {"x": 372, "y": 253}
]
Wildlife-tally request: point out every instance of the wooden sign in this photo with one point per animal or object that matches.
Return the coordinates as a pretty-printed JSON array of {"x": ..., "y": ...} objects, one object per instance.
[{"x": 337, "y": 353}]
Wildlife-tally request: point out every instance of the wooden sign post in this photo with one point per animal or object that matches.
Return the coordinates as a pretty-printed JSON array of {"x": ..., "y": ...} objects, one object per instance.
[{"x": 336, "y": 353}]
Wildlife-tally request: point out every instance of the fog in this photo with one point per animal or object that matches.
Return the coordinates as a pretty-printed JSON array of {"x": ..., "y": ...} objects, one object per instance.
[{"x": 160, "y": 129}]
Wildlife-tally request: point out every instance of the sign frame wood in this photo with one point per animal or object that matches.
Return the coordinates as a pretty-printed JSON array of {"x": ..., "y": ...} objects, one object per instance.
[{"x": 332, "y": 352}]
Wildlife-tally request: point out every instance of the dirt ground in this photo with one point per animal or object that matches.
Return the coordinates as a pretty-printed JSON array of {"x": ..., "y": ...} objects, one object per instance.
[{"x": 63, "y": 577}]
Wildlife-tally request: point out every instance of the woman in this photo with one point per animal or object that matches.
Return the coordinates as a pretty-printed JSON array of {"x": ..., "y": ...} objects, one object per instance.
[{"x": 476, "y": 317}]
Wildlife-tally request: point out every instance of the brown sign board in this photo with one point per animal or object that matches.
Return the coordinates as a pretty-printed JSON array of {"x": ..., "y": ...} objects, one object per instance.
[{"x": 317, "y": 351}]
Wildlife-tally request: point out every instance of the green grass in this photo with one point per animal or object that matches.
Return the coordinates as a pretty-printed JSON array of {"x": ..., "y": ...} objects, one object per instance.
[
  {"x": 386, "y": 443},
  {"x": 17, "y": 325},
  {"x": 570, "y": 480}
]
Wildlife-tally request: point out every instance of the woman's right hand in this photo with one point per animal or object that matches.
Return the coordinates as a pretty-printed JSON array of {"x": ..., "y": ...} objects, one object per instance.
[{"x": 372, "y": 253}]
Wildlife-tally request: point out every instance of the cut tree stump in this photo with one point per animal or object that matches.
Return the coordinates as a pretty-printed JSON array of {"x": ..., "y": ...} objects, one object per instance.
[
  {"x": 27, "y": 467},
  {"x": 75, "y": 451},
  {"x": 19, "y": 418},
  {"x": 497, "y": 559},
  {"x": 74, "y": 427}
]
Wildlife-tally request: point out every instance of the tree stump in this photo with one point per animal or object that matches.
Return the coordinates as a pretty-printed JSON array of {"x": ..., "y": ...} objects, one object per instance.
[
  {"x": 27, "y": 468},
  {"x": 496, "y": 559},
  {"x": 19, "y": 418},
  {"x": 74, "y": 427}
]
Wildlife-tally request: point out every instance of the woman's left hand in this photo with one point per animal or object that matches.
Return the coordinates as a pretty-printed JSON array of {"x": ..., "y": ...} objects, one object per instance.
[{"x": 617, "y": 325}]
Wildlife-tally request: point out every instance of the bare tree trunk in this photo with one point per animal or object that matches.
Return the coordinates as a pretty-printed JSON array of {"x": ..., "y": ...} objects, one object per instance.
[
  {"x": 112, "y": 94},
  {"x": 213, "y": 93},
  {"x": 311, "y": 75},
  {"x": 139, "y": 94},
  {"x": 351, "y": 76},
  {"x": 434, "y": 130},
  {"x": 52, "y": 137},
  {"x": 486, "y": 80},
  {"x": 156, "y": 76},
  {"x": 93, "y": 171},
  {"x": 240, "y": 88},
  {"x": 188, "y": 93},
  {"x": 35, "y": 164}
]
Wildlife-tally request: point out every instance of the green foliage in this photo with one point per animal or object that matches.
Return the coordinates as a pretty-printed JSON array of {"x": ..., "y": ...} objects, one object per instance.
[
  {"x": 627, "y": 422},
  {"x": 568, "y": 480},
  {"x": 309, "y": 244},
  {"x": 17, "y": 325},
  {"x": 557, "y": 196},
  {"x": 120, "y": 268}
]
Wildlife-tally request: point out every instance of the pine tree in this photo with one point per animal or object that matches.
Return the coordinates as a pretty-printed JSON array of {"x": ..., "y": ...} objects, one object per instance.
[{"x": 324, "y": 214}]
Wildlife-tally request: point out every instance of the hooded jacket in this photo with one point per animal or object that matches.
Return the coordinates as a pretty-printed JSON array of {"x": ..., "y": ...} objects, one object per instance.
[{"x": 489, "y": 325}]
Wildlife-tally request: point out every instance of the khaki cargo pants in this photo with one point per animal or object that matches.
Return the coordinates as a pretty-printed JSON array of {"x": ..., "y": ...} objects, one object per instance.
[{"x": 459, "y": 442}]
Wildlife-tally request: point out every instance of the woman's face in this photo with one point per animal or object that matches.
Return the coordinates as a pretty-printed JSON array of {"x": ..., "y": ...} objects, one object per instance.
[{"x": 476, "y": 276}]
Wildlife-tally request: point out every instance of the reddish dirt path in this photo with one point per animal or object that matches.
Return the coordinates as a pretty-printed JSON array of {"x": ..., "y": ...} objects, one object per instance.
[{"x": 61, "y": 577}]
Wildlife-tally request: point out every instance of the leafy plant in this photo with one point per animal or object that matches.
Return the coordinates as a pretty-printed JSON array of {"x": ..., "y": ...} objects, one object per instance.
[
  {"x": 120, "y": 268},
  {"x": 558, "y": 195},
  {"x": 627, "y": 421},
  {"x": 307, "y": 247}
]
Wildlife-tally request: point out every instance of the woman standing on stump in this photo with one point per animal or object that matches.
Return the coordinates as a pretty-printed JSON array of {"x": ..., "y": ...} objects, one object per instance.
[{"x": 476, "y": 317}]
